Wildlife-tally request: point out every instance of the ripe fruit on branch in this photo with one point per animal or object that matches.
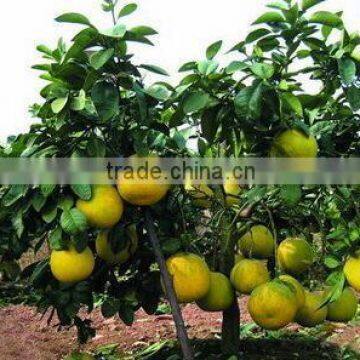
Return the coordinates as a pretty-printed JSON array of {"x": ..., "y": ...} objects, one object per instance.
[
  {"x": 190, "y": 276},
  {"x": 352, "y": 271},
  {"x": 69, "y": 266},
  {"x": 220, "y": 295},
  {"x": 295, "y": 255},
  {"x": 273, "y": 305},
  {"x": 258, "y": 242},
  {"x": 105, "y": 251},
  {"x": 139, "y": 187},
  {"x": 201, "y": 193},
  {"x": 104, "y": 209},
  {"x": 232, "y": 191},
  {"x": 247, "y": 274},
  {"x": 344, "y": 308},
  {"x": 294, "y": 143},
  {"x": 311, "y": 314}
]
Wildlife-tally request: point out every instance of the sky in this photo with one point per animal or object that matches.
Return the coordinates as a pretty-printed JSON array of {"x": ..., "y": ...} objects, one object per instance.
[{"x": 185, "y": 29}]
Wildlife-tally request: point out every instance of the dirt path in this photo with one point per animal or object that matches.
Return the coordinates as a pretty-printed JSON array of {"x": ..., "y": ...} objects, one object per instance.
[{"x": 24, "y": 336}]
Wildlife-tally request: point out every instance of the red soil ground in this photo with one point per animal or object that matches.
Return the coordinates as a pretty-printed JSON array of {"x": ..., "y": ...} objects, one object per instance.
[{"x": 23, "y": 335}]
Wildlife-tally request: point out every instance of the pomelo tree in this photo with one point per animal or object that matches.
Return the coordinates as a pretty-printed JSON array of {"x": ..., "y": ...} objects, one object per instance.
[{"x": 96, "y": 104}]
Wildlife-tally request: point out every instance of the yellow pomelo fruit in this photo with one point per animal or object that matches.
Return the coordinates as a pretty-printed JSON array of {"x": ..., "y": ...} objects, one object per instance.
[
  {"x": 201, "y": 193},
  {"x": 142, "y": 189},
  {"x": 295, "y": 255},
  {"x": 272, "y": 305},
  {"x": 190, "y": 276},
  {"x": 104, "y": 209},
  {"x": 69, "y": 266},
  {"x": 232, "y": 190},
  {"x": 310, "y": 314},
  {"x": 344, "y": 308},
  {"x": 297, "y": 287},
  {"x": 247, "y": 274},
  {"x": 105, "y": 252},
  {"x": 220, "y": 295},
  {"x": 258, "y": 242},
  {"x": 294, "y": 144},
  {"x": 352, "y": 271}
]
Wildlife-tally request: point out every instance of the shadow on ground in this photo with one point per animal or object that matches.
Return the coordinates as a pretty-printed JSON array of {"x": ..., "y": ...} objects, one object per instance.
[{"x": 288, "y": 348}]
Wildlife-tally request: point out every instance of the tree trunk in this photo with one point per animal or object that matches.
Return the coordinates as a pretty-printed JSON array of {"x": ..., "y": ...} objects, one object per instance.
[
  {"x": 175, "y": 308},
  {"x": 231, "y": 317}
]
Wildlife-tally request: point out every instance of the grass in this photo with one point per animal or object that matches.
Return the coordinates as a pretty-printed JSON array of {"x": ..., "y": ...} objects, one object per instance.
[{"x": 274, "y": 345}]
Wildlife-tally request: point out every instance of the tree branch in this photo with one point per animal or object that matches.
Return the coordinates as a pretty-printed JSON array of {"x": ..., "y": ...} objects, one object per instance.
[{"x": 170, "y": 293}]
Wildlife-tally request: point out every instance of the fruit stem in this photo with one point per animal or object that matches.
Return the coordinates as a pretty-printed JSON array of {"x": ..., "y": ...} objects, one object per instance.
[{"x": 170, "y": 293}]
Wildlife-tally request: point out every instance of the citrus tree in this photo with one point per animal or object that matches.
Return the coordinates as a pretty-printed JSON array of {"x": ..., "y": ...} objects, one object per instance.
[
  {"x": 257, "y": 106},
  {"x": 97, "y": 105}
]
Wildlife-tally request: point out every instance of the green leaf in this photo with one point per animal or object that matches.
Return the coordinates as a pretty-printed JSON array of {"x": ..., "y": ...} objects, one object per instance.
[
  {"x": 15, "y": 193},
  {"x": 83, "y": 191},
  {"x": 353, "y": 96},
  {"x": 73, "y": 221},
  {"x": 56, "y": 239},
  {"x": 263, "y": 70},
  {"x": 96, "y": 147},
  {"x": 270, "y": 17},
  {"x": 106, "y": 98},
  {"x": 66, "y": 202},
  {"x": 256, "y": 35},
  {"x": 59, "y": 104},
  {"x": 207, "y": 67},
  {"x": 99, "y": 59},
  {"x": 158, "y": 91},
  {"x": 78, "y": 103},
  {"x": 347, "y": 70},
  {"x": 291, "y": 194},
  {"x": 83, "y": 40},
  {"x": 143, "y": 31},
  {"x": 326, "y": 18},
  {"x": 179, "y": 140},
  {"x": 155, "y": 69},
  {"x": 196, "y": 102},
  {"x": 213, "y": 50},
  {"x": 278, "y": 5},
  {"x": 190, "y": 66},
  {"x": 331, "y": 262},
  {"x": 38, "y": 201},
  {"x": 248, "y": 102},
  {"x": 238, "y": 47},
  {"x": 291, "y": 102},
  {"x": 292, "y": 14},
  {"x": 236, "y": 66},
  {"x": 127, "y": 10},
  {"x": 116, "y": 32},
  {"x": 302, "y": 54},
  {"x": 337, "y": 281},
  {"x": 209, "y": 124},
  {"x": 307, "y": 4},
  {"x": 49, "y": 213},
  {"x": 18, "y": 224},
  {"x": 74, "y": 18},
  {"x": 47, "y": 189},
  {"x": 44, "y": 49}
]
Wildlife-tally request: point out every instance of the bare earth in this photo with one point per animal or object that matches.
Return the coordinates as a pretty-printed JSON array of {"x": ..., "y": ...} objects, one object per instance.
[{"x": 23, "y": 335}]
